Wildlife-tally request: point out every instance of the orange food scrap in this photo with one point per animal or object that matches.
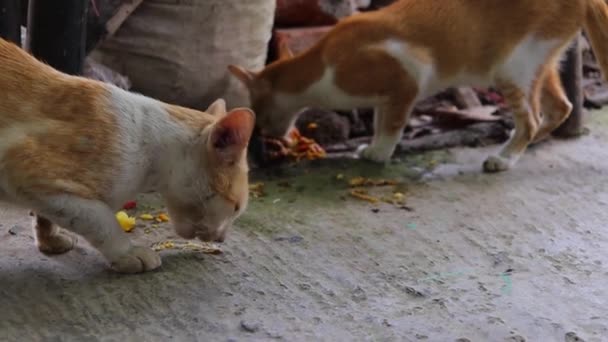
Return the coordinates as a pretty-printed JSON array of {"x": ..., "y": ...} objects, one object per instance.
[
  {"x": 362, "y": 181},
  {"x": 296, "y": 147},
  {"x": 162, "y": 217},
  {"x": 363, "y": 195},
  {"x": 312, "y": 125}
]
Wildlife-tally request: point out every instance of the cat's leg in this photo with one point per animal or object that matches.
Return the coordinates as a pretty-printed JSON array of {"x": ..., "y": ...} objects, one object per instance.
[
  {"x": 554, "y": 104},
  {"x": 525, "y": 128},
  {"x": 389, "y": 122},
  {"x": 51, "y": 239},
  {"x": 96, "y": 222}
]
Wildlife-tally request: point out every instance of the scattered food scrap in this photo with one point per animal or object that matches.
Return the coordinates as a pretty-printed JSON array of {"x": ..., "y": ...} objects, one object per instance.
[
  {"x": 129, "y": 205},
  {"x": 298, "y": 147},
  {"x": 146, "y": 217},
  {"x": 396, "y": 199},
  {"x": 162, "y": 217},
  {"x": 203, "y": 247},
  {"x": 302, "y": 147},
  {"x": 339, "y": 176},
  {"x": 127, "y": 223},
  {"x": 256, "y": 190},
  {"x": 362, "y": 194},
  {"x": 362, "y": 181},
  {"x": 312, "y": 125}
]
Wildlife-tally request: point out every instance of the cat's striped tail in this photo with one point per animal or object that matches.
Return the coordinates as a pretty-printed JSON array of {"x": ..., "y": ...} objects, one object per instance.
[{"x": 596, "y": 27}]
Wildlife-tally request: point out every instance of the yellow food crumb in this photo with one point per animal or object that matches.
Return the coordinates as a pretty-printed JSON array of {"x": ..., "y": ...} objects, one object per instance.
[
  {"x": 163, "y": 217},
  {"x": 256, "y": 190},
  {"x": 146, "y": 217},
  {"x": 363, "y": 195},
  {"x": 357, "y": 181},
  {"x": 398, "y": 196},
  {"x": 205, "y": 247},
  {"x": 127, "y": 223}
]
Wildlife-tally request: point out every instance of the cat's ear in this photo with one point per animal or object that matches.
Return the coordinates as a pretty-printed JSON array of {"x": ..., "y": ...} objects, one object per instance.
[
  {"x": 244, "y": 75},
  {"x": 284, "y": 50},
  {"x": 230, "y": 135},
  {"x": 217, "y": 108}
]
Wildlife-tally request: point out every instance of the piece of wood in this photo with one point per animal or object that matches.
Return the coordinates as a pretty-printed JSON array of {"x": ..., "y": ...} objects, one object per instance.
[
  {"x": 465, "y": 97},
  {"x": 479, "y": 134},
  {"x": 475, "y": 114},
  {"x": 572, "y": 79},
  {"x": 598, "y": 97},
  {"x": 122, "y": 13}
]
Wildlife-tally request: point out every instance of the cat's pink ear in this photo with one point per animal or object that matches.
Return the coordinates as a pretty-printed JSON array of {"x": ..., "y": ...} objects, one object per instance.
[
  {"x": 231, "y": 134},
  {"x": 244, "y": 75},
  {"x": 284, "y": 50}
]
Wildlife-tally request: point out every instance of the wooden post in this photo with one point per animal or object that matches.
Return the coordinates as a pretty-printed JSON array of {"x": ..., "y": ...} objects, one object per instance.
[
  {"x": 57, "y": 32},
  {"x": 10, "y": 20},
  {"x": 572, "y": 80}
]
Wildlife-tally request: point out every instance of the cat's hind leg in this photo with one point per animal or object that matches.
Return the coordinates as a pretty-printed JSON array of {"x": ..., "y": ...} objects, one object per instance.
[
  {"x": 51, "y": 239},
  {"x": 526, "y": 126},
  {"x": 555, "y": 105}
]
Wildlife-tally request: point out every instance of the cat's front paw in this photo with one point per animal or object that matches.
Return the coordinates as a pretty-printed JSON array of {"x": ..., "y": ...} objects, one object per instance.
[
  {"x": 496, "y": 164},
  {"x": 137, "y": 260},
  {"x": 59, "y": 243},
  {"x": 375, "y": 154}
]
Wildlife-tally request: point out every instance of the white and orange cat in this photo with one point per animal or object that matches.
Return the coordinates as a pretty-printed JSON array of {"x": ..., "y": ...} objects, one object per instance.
[
  {"x": 73, "y": 150},
  {"x": 390, "y": 58}
]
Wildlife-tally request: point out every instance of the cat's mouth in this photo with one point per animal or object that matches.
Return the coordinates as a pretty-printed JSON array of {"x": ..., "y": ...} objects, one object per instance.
[{"x": 211, "y": 236}]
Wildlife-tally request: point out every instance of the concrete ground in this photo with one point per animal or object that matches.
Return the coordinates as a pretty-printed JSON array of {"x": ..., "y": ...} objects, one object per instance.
[{"x": 517, "y": 256}]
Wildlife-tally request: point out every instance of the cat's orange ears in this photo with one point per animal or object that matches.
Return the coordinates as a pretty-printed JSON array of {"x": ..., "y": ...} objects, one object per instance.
[
  {"x": 230, "y": 134},
  {"x": 284, "y": 50},
  {"x": 248, "y": 77},
  {"x": 244, "y": 75}
]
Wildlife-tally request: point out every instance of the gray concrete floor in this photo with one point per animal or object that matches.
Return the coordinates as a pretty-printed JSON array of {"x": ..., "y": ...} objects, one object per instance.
[{"x": 307, "y": 262}]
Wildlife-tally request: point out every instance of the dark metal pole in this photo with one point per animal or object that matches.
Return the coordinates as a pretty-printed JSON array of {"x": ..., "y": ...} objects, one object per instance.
[
  {"x": 10, "y": 20},
  {"x": 57, "y": 33},
  {"x": 572, "y": 80}
]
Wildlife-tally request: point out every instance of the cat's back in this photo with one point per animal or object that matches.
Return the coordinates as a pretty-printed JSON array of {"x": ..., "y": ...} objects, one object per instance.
[{"x": 33, "y": 90}]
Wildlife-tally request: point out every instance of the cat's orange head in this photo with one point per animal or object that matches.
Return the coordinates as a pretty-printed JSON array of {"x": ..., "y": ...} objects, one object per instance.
[
  {"x": 209, "y": 189},
  {"x": 274, "y": 117}
]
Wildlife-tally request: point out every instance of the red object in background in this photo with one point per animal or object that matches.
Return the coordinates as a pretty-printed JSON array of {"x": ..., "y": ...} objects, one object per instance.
[
  {"x": 291, "y": 13},
  {"x": 129, "y": 205},
  {"x": 298, "y": 39}
]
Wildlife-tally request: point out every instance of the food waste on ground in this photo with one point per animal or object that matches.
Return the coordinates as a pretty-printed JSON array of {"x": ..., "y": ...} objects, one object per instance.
[{"x": 296, "y": 147}]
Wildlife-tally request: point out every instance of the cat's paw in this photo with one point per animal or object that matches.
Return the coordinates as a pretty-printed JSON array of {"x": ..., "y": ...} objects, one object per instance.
[
  {"x": 137, "y": 260},
  {"x": 373, "y": 153},
  {"x": 59, "y": 243},
  {"x": 496, "y": 164}
]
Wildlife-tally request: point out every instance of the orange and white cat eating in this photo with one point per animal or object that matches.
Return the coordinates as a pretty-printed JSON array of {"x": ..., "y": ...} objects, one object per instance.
[
  {"x": 390, "y": 58},
  {"x": 73, "y": 150}
]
